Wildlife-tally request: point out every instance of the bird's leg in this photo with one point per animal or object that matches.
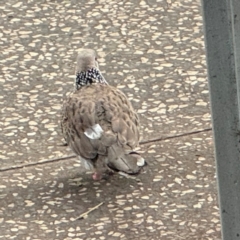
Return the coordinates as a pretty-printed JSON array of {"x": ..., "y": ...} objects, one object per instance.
[
  {"x": 97, "y": 175},
  {"x": 102, "y": 174}
]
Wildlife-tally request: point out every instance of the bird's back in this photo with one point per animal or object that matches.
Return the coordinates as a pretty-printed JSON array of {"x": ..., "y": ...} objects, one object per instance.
[{"x": 110, "y": 109}]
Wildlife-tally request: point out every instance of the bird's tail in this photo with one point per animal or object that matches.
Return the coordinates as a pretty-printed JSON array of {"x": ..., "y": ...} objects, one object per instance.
[{"x": 130, "y": 163}]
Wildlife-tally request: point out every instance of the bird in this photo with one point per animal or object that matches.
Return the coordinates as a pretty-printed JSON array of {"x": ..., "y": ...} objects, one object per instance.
[{"x": 99, "y": 123}]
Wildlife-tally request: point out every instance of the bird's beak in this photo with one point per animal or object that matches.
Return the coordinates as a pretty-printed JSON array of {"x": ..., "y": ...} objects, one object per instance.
[{"x": 97, "y": 66}]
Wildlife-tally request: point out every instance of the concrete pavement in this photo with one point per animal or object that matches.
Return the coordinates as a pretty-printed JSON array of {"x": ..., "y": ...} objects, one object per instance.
[{"x": 151, "y": 50}]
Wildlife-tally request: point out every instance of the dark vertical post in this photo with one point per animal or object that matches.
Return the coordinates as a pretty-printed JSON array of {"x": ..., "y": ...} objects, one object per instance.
[{"x": 222, "y": 39}]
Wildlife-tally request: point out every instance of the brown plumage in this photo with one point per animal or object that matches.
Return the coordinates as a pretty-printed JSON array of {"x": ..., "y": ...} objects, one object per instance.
[{"x": 99, "y": 123}]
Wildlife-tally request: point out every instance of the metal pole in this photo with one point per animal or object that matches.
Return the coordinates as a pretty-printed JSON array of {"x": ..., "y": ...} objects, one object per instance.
[{"x": 222, "y": 40}]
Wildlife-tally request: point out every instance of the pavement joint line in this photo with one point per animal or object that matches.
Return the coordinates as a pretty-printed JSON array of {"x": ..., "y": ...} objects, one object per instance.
[
  {"x": 36, "y": 163},
  {"x": 174, "y": 136},
  {"x": 15, "y": 167}
]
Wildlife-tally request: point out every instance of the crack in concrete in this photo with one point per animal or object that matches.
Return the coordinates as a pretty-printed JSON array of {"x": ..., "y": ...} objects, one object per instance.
[{"x": 73, "y": 155}]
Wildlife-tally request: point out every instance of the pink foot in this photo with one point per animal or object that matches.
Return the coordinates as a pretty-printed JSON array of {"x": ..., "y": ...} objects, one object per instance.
[{"x": 97, "y": 176}]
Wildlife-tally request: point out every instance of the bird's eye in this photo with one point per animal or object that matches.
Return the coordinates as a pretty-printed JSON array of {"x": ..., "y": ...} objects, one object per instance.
[{"x": 95, "y": 59}]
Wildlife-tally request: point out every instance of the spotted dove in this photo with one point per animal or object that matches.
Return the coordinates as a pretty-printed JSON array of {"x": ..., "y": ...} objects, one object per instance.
[{"x": 99, "y": 123}]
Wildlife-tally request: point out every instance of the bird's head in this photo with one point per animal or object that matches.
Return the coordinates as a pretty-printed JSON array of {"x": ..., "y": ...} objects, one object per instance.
[{"x": 86, "y": 60}]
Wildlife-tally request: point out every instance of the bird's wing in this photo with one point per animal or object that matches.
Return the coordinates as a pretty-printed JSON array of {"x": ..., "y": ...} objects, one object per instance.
[
  {"x": 124, "y": 120},
  {"x": 77, "y": 119}
]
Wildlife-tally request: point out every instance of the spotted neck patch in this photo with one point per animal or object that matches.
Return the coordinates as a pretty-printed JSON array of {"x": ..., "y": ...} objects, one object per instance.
[{"x": 92, "y": 75}]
